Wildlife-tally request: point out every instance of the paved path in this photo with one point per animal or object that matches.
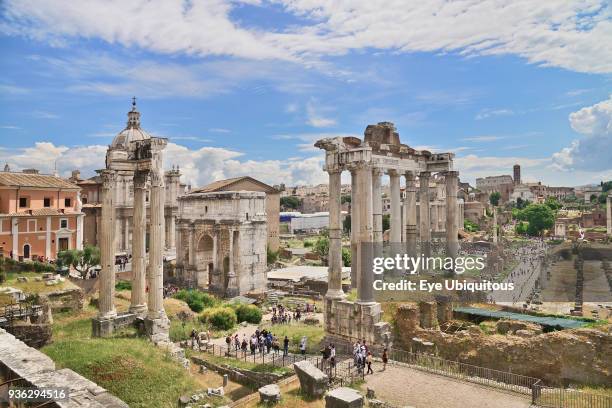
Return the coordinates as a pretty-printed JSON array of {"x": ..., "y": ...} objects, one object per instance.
[{"x": 404, "y": 386}]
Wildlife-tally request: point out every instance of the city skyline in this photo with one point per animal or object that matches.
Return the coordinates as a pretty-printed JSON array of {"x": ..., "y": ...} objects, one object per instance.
[{"x": 247, "y": 87}]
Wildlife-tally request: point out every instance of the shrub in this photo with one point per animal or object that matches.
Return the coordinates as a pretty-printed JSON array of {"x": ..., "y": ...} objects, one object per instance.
[
  {"x": 123, "y": 285},
  {"x": 346, "y": 257},
  {"x": 195, "y": 299},
  {"x": 221, "y": 318},
  {"x": 248, "y": 313}
]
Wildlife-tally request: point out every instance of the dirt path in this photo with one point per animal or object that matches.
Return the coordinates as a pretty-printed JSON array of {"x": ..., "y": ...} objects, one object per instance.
[{"x": 407, "y": 387}]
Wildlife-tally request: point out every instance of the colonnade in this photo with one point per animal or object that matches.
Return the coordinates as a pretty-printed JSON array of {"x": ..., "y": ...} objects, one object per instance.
[{"x": 366, "y": 221}]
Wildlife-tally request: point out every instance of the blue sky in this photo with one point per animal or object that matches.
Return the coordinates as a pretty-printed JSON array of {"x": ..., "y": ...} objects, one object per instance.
[{"x": 247, "y": 87}]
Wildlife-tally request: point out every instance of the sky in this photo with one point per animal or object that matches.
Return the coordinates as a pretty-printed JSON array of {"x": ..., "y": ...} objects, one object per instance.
[{"x": 247, "y": 87}]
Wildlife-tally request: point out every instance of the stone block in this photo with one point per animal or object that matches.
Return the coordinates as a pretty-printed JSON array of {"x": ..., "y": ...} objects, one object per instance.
[
  {"x": 313, "y": 382},
  {"x": 102, "y": 327},
  {"x": 343, "y": 397},
  {"x": 270, "y": 393}
]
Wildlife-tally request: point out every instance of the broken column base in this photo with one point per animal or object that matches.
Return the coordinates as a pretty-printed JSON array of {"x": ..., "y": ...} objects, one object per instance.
[
  {"x": 106, "y": 326},
  {"x": 157, "y": 329},
  {"x": 347, "y": 321}
]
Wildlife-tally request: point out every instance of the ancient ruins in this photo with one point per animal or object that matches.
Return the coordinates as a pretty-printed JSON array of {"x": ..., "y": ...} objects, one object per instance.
[
  {"x": 138, "y": 156},
  {"x": 221, "y": 241},
  {"x": 367, "y": 160}
]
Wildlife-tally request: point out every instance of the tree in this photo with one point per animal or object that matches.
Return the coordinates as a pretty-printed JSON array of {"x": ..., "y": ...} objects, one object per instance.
[
  {"x": 321, "y": 247},
  {"x": 539, "y": 217},
  {"x": 552, "y": 203},
  {"x": 470, "y": 226},
  {"x": 602, "y": 198},
  {"x": 494, "y": 198},
  {"x": 346, "y": 256},
  {"x": 386, "y": 222},
  {"x": 346, "y": 224},
  {"x": 345, "y": 198},
  {"x": 290, "y": 202},
  {"x": 593, "y": 198},
  {"x": 80, "y": 260}
]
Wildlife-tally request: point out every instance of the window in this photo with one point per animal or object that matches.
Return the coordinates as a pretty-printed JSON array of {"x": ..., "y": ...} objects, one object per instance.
[
  {"x": 23, "y": 202},
  {"x": 47, "y": 202},
  {"x": 67, "y": 202},
  {"x": 63, "y": 223}
]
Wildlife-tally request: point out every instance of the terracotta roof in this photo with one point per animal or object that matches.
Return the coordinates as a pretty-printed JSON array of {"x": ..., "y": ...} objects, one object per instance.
[
  {"x": 225, "y": 185},
  {"x": 11, "y": 179},
  {"x": 39, "y": 212}
]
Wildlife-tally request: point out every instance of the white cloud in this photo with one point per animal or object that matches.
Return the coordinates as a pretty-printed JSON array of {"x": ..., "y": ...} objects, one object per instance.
[
  {"x": 199, "y": 166},
  {"x": 487, "y": 113},
  {"x": 314, "y": 112},
  {"x": 593, "y": 151},
  {"x": 482, "y": 138},
  {"x": 568, "y": 34}
]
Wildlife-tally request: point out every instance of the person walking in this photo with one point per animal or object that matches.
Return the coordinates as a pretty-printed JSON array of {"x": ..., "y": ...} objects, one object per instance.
[
  {"x": 286, "y": 346},
  {"x": 385, "y": 359},
  {"x": 369, "y": 363},
  {"x": 303, "y": 345}
]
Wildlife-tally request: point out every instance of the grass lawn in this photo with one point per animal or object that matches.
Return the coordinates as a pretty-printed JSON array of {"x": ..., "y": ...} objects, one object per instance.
[
  {"x": 33, "y": 286},
  {"x": 295, "y": 331},
  {"x": 128, "y": 366}
]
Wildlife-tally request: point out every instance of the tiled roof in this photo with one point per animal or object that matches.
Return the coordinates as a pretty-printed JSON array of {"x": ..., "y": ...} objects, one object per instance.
[
  {"x": 225, "y": 185},
  {"x": 39, "y": 212},
  {"x": 11, "y": 179}
]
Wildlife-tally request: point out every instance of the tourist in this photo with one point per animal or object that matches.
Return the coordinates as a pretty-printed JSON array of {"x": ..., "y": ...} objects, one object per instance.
[
  {"x": 236, "y": 342},
  {"x": 253, "y": 344},
  {"x": 193, "y": 338},
  {"x": 303, "y": 345},
  {"x": 385, "y": 359},
  {"x": 369, "y": 363},
  {"x": 332, "y": 356},
  {"x": 286, "y": 346}
]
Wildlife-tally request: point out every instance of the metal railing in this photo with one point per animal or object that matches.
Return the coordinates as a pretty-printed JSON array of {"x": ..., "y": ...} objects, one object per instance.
[{"x": 547, "y": 397}]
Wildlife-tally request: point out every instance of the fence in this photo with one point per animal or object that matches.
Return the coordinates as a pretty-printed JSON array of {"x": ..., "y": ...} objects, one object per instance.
[
  {"x": 547, "y": 397},
  {"x": 343, "y": 372}
]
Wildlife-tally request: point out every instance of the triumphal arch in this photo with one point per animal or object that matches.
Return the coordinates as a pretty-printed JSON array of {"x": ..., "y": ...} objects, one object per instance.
[
  {"x": 138, "y": 157},
  {"x": 380, "y": 152}
]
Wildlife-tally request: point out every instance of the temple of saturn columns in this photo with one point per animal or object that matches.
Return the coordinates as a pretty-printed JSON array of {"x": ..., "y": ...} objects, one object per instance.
[
  {"x": 380, "y": 152},
  {"x": 139, "y": 158}
]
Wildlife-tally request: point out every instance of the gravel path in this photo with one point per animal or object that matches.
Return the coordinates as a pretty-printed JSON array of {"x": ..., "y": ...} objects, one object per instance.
[{"x": 402, "y": 386}]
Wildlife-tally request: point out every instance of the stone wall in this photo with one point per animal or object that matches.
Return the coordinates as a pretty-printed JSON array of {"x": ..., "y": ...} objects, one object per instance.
[
  {"x": 35, "y": 369},
  {"x": 66, "y": 300},
  {"x": 240, "y": 375},
  {"x": 348, "y": 321},
  {"x": 579, "y": 356}
]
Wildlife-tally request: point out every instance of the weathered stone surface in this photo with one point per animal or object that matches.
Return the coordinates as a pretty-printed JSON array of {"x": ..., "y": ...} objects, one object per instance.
[
  {"x": 313, "y": 382},
  {"x": 343, "y": 397},
  {"x": 524, "y": 333},
  {"x": 511, "y": 326},
  {"x": 269, "y": 393},
  {"x": 34, "y": 335}
]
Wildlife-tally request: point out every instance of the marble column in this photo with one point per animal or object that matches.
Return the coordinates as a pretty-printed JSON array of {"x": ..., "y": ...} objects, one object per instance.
[
  {"x": 452, "y": 240},
  {"x": 107, "y": 246},
  {"x": 79, "y": 238},
  {"x": 334, "y": 279},
  {"x": 377, "y": 231},
  {"x": 411, "y": 215},
  {"x": 232, "y": 280},
  {"x": 425, "y": 224},
  {"x": 395, "y": 235},
  {"x": 494, "y": 233},
  {"x": 365, "y": 291},
  {"x": 355, "y": 205},
  {"x": 156, "y": 246},
  {"x": 171, "y": 244},
  {"x": 139, "y": 299},
  {"x": 126, "y": 234},
  {"x": 609, "y": 215}
]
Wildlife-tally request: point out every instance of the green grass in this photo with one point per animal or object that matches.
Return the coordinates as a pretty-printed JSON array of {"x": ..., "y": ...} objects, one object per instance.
[
  {"x": 131, "y": 368},
  {"x": 33, "y": 286},
  {"x": 314, "y": 334}
]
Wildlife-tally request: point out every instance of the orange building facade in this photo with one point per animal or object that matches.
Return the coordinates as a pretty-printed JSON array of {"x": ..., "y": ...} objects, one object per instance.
[{"x": 40, "y": 215}]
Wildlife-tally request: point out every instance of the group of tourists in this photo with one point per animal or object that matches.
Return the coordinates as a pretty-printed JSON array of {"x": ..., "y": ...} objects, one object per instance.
[
  {"x": 262, "y": 341},
  {"x": 280, "y": 315},
  {"x": 362, "y": 357}
]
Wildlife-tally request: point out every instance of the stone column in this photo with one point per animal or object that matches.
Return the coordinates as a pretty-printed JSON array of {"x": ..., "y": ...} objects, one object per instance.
[
  {"x": 107, "y": 246},
  {"x": 79, "y": 237},
  {"x": 156, "y": 246},
  {"x": 355, "y": 204},
  {"x": 126, "y": 234},
  {"x": 232, "y": 281},
  {"x": 334, "y": 279},
  {"x": 192, "y": 247},
  {"x": 171, "y": 244},
  {"x": 395, "y": 236},
  {"x": 365, "y": 291},
  {"x": 377, "y": 232},
  {"x": 48, "y": 238},
  {"x": 15, "y": 235},
  {"x": 139, "y": 297},
  {"x": 494, "y": 225},
  {"x": 452, "y": 240},
  {"x": 425, "y": 224},
  {"x": 609, "y": 215},
  {"x": 433, "y": 211},
  {"x": 411, "y": 215}
]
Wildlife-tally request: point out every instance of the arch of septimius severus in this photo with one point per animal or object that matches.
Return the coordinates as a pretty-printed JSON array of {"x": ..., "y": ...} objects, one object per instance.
[
  {"x": 380, "y": 152},
  {"x": 138, "y": 157}
]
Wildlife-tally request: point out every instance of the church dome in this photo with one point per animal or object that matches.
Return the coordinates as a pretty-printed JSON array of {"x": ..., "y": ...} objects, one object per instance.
[{"x": 132, "y": 131}]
